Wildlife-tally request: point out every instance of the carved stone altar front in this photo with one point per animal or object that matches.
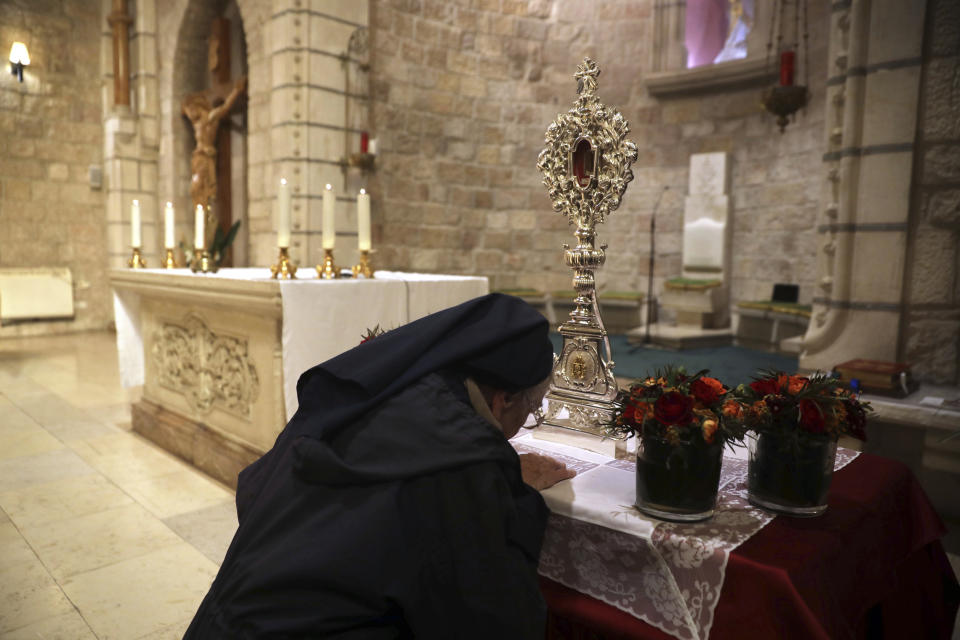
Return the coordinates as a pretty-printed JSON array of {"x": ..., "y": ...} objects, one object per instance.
[{"x": 212, "y": 377}]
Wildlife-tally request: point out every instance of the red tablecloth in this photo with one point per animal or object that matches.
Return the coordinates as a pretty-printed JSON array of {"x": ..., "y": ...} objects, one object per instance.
[{"x": 871, "y": 566}]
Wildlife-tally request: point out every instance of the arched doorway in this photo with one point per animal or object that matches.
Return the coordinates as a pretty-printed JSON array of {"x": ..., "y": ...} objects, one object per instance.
[{"x": 210, "y": 58}]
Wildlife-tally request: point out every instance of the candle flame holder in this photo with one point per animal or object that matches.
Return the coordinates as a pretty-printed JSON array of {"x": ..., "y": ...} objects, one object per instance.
[
  {"x": 364, "y": 268},
  {"x": 202, "y": 262},
  {"x": 784, "y": 101},
  {"x": 169, "y": 262},
  {"x": 284, "y": 269},
  {"x": 136, "y": 261},
  {"x": 327, "y": 270}
]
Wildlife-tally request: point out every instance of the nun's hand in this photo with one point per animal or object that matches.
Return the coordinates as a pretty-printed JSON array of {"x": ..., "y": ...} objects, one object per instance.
[{"x": 542, "y": 472}]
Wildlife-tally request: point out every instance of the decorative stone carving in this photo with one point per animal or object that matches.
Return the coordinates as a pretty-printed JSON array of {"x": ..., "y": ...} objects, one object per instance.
[{"x": 208, "y": 369}]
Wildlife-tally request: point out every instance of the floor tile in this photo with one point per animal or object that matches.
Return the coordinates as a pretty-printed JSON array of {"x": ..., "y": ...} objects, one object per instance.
[
  {"x": 210, "y": 530},
  {"x": 49, "y": 408},
  {"x": 127, "y": 459},
  {"x": 176, "y": 493},
  {"x": 28, "y": 594},
  {"x": 75, "y": 545},
  {"x": 27, "y": 443},
  {"x": 12, "y": 419},
  {"x": 67, "y": 626},
  {"x": 74, "y": 429},
  {"x": 173, "y": 632},
  {"x": 14, "y": 550},
  {"x": 45, "y": 467},
  {"x": 39, "y": 504},
  {"x": 160, "y": 590}
]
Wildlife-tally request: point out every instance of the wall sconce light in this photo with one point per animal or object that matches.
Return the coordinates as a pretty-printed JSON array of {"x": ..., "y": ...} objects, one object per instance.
[{"x": 19, "y": 58}]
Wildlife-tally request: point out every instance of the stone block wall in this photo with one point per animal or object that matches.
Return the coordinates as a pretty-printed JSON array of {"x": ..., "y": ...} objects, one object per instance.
[
  {"x": 931, "y": 335},
  {"x": 51, "y": 131},
  {"x": 463, "y": 92}
]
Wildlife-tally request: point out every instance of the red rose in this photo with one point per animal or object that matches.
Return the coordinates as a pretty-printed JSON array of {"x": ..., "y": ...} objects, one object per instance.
[
  {"x": 811, "y": 416},
  {"x": 628, "y": 414},
  {"x": 673, "y": 408},
  {"x": 765, "y": 387},
  {"x": 707, "y": 390}
]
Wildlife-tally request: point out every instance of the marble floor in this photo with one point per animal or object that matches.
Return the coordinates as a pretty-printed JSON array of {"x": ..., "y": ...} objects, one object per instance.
[{"x": 102, "y": 534}]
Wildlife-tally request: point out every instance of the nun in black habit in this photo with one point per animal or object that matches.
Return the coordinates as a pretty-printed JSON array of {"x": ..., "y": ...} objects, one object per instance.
[{"x": 392, "y": 504}]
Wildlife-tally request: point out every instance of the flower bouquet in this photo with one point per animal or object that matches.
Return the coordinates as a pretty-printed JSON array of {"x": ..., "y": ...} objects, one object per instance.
[
  {"x": 796, "y": 422},
  {"x": 683, "y": 422}
]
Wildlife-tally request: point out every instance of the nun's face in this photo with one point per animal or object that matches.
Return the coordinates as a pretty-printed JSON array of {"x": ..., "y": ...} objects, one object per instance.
[{"x": 512, "y": 410}]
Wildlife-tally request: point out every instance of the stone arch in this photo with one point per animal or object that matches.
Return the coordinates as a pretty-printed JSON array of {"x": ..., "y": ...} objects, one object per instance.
[{"x": 182, "y": 42}]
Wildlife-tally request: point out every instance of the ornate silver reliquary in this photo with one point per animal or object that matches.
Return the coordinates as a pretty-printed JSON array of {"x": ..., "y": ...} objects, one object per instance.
[{"x": 586, "y": 168}]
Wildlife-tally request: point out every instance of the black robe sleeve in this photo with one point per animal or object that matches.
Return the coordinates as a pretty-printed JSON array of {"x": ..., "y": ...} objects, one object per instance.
[{"x": 475, "y": 550}]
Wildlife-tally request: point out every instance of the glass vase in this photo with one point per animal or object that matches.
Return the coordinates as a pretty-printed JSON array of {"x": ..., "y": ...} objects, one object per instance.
[
  {"x": 677, "y": 481},
  {"x": 790, "y": 479}
]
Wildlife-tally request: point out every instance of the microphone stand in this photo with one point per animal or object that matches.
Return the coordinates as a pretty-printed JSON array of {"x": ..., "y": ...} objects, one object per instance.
[{"x": 653, "y": 228}]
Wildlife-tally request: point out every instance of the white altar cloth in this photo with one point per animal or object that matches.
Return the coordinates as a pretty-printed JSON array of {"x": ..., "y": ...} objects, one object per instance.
[
  {"x": 321, "y": 318},
  {"x": 665, "y": 573}
]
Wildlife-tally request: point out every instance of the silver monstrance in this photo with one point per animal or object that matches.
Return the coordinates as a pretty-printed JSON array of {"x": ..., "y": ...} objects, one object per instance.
[{"x": 586, "y": 168}]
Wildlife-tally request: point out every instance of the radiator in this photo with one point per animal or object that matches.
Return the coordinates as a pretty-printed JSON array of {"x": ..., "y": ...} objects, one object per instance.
[{"x": 31, "y": 294}]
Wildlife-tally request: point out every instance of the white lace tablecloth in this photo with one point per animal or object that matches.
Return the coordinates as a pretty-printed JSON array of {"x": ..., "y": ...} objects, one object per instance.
[
  {"x": 321, "y": 318},
  {"x": 667, "y": 574}
]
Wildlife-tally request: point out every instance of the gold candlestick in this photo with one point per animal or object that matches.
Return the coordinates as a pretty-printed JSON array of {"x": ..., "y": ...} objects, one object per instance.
[
  {"x": 136, "y": 261},
  {"x": 202, "y": 262},
  {"x": 284, "y": 269},
  {"x": 327, "y": 270},
  {"x": 169, "y": 262},
  {"x": 364, "y": 269}
]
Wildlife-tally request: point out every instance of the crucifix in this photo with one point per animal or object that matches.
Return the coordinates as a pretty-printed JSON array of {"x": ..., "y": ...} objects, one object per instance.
[{"x": 210, "y": 162}]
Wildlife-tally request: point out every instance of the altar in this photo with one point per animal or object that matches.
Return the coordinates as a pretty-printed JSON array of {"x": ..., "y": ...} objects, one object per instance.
[
  {"x": 219, "y": 355},
  {"x": 865, "y": 568}
]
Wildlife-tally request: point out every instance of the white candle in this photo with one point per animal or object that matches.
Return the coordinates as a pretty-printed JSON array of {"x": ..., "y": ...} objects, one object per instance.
[
  {"x": 283, "y": 214},
  {"x": 168, "y": 226},
  {"x": 198, "y": 239},
  {"x": 372, "y": 146},
  {"x": 363, "y": 221},
  {"x": 135, "y": 239},
  {"x": 329, "y": 225}
]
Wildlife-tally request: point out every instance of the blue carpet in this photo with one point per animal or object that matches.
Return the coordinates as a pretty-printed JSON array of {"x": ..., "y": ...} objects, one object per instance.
[{"x": 732, "y": 365}]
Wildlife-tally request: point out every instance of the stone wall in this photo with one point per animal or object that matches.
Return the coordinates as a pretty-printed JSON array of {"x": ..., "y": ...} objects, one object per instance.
[
  {"x": 463, "y": 92},
  {"x": 52, "y": 133},
  {"x": 932, "y": 316}
]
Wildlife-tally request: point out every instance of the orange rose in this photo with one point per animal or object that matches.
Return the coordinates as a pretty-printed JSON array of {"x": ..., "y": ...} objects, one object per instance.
[
  {"x": 796, "y": 384},
  {"x": 641, "y": 411},
  {"x": 759, "y": 408},
  {"x": 707, "y": 390},
  {"x": 783, "y": 381},
  {"x": 732, "y": 409},
  {"x": 709, "y": 429}
]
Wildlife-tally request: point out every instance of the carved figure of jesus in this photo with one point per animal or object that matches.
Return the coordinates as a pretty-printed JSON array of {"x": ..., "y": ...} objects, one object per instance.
[{"x": 205, "y": 119}]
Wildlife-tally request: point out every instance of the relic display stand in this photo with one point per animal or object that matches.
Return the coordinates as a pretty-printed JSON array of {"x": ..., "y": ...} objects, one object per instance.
[{"x": 586, "y": 169}]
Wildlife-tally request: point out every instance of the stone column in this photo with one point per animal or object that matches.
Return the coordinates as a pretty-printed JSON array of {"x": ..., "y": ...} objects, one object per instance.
[
  {"x": 872, "y": 95},
  {"x": 131, "y": 135},
  {"x": 119, "y": 22},
  {"x": 668, "y": 52}
]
